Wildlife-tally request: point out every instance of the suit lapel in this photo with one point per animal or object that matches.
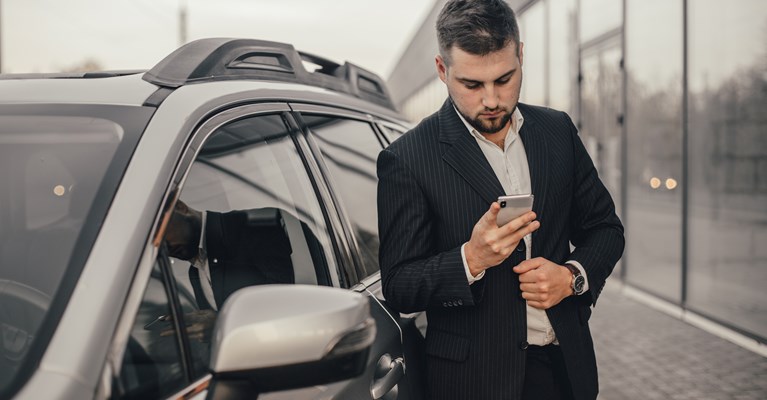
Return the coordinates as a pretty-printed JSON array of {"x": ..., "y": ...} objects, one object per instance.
[
  {"x": 465, "y": 156},
  {"x": 215, "y": 246},
  {"x": 535, "y": 147}
]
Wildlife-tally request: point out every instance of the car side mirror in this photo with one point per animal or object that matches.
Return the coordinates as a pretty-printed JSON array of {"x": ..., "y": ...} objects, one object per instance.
[{"x": 279, "y": 337}]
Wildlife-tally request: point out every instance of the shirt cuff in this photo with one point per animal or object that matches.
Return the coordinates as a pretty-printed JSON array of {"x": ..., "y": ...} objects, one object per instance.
[
  {"x": 469, "y": 276},
  {"x": 578, "y": 265}
]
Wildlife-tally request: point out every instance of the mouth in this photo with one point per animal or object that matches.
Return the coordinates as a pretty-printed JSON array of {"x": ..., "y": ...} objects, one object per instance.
[{"x": 491, "y": 115}]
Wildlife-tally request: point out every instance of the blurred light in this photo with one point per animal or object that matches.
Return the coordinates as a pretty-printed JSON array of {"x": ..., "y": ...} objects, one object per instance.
[
  {"x": 671, "y": 183},
  {"x": 59, "y": 190},
  {"x": 654, "y": 182}
]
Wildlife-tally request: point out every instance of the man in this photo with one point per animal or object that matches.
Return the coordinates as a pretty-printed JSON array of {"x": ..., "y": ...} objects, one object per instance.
[
  {"x": 507, "y": 306},
  {"x": 229, "y": 251}
]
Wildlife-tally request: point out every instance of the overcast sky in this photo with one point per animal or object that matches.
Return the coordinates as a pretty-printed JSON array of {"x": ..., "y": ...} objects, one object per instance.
[{"x": 52, "y": 35}]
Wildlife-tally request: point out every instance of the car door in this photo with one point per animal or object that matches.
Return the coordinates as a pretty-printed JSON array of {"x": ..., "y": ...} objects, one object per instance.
[
  {"x": 250, "y": 184},
  {"x": 347, "y": 145}
]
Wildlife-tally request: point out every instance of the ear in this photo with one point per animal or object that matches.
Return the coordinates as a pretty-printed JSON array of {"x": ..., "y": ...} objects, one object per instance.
[
  {"x": 441, "y": 68},
  {"x": 521, "y": 52},
  {"x": 181, "y": 207}
]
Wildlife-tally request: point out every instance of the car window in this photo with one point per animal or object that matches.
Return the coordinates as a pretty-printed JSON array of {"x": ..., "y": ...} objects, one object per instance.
[
  {"x": 152, "y": 364},
  {"x": 391, "y": 132},
  {"x": 247, "y": 215},
  {"x": 350, "y": 149},
  {"x": 59, "y": 169}
]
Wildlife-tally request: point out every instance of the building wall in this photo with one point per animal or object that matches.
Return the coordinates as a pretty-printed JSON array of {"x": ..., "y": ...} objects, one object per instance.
[{"x": 670, "y": 98}]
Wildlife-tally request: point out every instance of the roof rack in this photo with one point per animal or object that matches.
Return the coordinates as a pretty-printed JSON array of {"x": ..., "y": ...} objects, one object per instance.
[{"x": 219, "y": 59}]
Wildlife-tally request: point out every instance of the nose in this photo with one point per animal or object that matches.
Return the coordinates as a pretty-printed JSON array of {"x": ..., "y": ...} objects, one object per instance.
[{"x": 490, "y": 97}]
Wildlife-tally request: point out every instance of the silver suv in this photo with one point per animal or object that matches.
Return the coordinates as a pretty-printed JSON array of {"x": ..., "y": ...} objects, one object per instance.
[{"x": 206, "y": 229}]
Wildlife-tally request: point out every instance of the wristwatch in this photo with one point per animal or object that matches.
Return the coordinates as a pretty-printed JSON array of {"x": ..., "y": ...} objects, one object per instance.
[{"x": 578, "y": 282}]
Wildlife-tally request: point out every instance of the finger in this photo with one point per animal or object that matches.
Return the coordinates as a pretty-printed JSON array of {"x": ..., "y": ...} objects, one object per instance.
[
  {"x": 528, "y": 287},
  {"x": 511, "y": 238},
  {"x": 529, "y": 277},
  {"x": 532, "y": 296},
  {"x": 537, "y": 304},
  {"x": 492, "y": 213},
  {"x": 517, "y": 223},
  {"x": 529, "y": 265}
]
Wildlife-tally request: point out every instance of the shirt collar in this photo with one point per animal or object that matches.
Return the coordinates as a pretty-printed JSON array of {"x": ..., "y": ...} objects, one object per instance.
[
  {"x": 201, "y": 253},
  {"x": 516, "y": 124}
]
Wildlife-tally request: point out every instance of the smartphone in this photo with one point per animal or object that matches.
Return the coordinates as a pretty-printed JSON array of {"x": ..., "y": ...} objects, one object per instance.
[{"x": 513, "y": 206}]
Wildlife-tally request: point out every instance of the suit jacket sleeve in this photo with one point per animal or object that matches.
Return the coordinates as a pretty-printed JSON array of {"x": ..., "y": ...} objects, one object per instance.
[
  {"x": 597, "y": 233},
  {"x": 415, "y": 274}
]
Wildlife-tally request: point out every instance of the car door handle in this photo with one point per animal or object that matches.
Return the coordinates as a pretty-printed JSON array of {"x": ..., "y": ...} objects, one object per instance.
[{"x": 388, "y": 373}]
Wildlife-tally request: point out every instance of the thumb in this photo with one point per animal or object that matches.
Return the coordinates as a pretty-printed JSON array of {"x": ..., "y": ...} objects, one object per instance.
[
  {"x": 528, "y": 265},
  {"x": 492, "y": 213}
]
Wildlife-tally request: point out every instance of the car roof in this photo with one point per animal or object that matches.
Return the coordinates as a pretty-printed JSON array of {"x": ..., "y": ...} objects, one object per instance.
[
  {"x": 273, "y": 66},
  {"x": 31, "y": 88}
]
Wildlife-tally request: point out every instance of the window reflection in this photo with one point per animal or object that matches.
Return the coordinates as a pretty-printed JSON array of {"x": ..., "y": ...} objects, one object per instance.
[
  {"x": 599, "y": 17},
  {"x": 654, "y": 139},
  {"x": 728, "y": 162},
  {"x": 532, "y": 25},
  {"x": 350, "y": 149}
]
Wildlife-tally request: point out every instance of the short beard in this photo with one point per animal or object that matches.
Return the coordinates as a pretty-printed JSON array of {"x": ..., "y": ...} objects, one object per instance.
[{"x": 486, "y": 129}]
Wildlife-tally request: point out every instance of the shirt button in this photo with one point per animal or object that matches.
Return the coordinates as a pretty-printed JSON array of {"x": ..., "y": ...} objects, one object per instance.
[{"x": 523, "y": 345}]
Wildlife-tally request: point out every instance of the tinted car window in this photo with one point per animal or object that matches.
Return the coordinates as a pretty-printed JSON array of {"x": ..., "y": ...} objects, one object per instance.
[
  {"x": 391, "y": 133},
  {"x": 350, "y": 149},
  {"x": 258, "y": 221},
  {"x": 152, "y": 364},
  {"x": 58, "y": 171}
]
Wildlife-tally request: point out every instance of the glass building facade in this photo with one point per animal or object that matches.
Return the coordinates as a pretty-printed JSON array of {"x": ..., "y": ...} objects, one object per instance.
[{"x": 670, "y": 97}]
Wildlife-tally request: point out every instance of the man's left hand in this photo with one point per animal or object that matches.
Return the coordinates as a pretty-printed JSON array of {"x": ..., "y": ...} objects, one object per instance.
[{"x": 543, "y": 283}]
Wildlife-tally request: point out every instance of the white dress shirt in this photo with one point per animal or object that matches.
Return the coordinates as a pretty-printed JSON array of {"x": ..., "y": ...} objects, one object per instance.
[
  {"x": 201, "y": 263},
  {"x": 510, "y": 166}
]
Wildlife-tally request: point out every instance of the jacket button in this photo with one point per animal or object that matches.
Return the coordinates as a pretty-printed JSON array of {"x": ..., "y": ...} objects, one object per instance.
[
  {"x": 523, "y": 345},
  {"x": 521, "y": 247},
  {"x": 460, "y": 302},
  {"x": 444, "y": 304}
]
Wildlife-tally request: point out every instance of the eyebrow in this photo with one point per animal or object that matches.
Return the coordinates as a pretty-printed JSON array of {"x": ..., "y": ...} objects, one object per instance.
[{"x": 472, "y": 81}]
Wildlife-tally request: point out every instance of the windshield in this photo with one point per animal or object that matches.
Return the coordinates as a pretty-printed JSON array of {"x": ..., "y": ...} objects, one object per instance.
[{"x": 59, "y": 168}]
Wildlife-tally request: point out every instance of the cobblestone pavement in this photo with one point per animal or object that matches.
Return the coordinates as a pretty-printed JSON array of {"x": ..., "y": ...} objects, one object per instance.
[{"x": 645, "y": 354}]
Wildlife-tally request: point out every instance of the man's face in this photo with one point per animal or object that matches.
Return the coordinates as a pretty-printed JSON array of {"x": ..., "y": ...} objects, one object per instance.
[
  {"x": 485, "y": 89},
  {"x": 182, "y": 236}
]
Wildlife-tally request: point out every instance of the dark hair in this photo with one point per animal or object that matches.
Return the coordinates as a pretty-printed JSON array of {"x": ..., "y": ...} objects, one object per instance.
[{"x": 478, "y": 27}]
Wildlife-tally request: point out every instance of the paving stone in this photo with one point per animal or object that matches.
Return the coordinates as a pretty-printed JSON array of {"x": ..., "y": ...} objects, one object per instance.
[{"x": 645, "y": 354}]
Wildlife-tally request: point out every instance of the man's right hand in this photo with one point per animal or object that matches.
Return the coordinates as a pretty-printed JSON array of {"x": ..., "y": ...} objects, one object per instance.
[{"x": 490, "y": 245}]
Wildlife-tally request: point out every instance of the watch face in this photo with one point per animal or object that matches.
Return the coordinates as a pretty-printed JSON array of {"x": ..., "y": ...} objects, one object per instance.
[{"x": 578, "y": 284}]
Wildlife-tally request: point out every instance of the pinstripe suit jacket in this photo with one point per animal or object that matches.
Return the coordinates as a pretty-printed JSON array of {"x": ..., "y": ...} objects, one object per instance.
[{"x": 434, "y": 185}]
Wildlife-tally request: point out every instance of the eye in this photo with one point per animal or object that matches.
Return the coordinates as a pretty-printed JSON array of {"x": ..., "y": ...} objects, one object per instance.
[
  {"x": 471, "y": 86},
  {"x": 503, "y": 81}
]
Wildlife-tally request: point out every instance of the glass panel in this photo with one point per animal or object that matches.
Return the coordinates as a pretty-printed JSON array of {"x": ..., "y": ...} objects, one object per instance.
[
  {"x": 654, "y": 135},
  {"x": 532, "y": 26},
  {"x": 601, "y": 16},
  {"x": 563, "y": 55},
  {"x": 601, "y": 110},
  {"x": 57, "y": 174},
  {"x": 728, "y": 162},
  {"x": 425, "y": 101},
  {"x": 391, "y": 133},
  {"x": 350, "y": 149},
  {"x": 247, "y": 216},
  {"x": 151, "y": 365}
]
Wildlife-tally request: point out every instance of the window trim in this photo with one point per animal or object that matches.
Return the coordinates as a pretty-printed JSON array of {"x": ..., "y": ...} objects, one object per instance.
[{"x": 340, "y": 208}]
